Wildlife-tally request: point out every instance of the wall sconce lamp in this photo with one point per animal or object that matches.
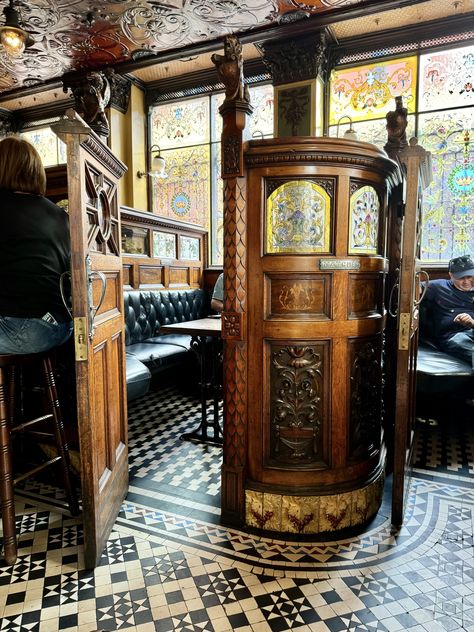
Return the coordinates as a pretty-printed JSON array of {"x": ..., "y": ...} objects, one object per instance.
[
  {"x": 13, "y": 37},
  {"x": 349, "y": 134},
  {"x": 157, "y": 165}
]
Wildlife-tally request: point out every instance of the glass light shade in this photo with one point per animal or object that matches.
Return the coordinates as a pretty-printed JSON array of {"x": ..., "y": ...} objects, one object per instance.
[
  {"x": 350, "y": 134},
  {"x": 158, "y": 167},
  {"x": 13, "y": 40}
]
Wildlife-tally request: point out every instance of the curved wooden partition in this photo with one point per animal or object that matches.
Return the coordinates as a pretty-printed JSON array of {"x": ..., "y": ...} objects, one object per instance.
[{"x": 317, "y": 232}]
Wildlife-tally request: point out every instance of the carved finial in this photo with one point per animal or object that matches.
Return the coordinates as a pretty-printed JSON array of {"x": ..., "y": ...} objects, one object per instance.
[
  {"x": 396, "y": 128},
  {"x": 230, "y": 70}
]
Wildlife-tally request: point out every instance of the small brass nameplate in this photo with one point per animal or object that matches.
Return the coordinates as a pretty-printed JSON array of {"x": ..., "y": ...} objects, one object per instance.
[{"x": 339, "y": 264}]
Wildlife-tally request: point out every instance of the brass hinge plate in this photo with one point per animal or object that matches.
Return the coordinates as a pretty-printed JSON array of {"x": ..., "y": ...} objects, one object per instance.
[
  {"x": 80, "y": 338},
  {"x": 404, "y": 331}
]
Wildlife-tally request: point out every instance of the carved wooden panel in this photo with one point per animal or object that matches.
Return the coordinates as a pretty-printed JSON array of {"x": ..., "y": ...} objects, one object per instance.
[
  {"x": 298, "y": 404},
  {"x": 102, "y": 211},
  {"x": 150, "y": 275},
  {"x": 305, "y": 295},
  {"x": 179, "y": 276},
  {"x": 365, "y": 370},
  {"x": 365, "y": 295}
]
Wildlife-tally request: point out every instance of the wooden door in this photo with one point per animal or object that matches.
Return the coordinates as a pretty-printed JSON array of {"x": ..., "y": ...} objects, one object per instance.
[
  {"x": 92, "y": 177},
  {"x": 417, "y": 168}
]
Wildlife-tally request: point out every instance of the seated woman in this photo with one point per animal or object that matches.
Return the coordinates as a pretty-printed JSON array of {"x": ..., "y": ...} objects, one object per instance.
[{"x": 34, "y": 253}]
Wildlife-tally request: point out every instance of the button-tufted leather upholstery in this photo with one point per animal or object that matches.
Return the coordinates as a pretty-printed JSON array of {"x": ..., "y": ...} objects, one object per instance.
[{"x": 144, "y": 313}]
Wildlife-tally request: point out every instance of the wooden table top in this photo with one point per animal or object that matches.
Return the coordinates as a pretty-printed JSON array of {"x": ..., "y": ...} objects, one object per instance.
[{"x": 200, "y": 327}]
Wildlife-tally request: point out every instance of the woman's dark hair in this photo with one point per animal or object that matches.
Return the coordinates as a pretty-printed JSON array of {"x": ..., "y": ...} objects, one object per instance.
[{"x": 21, "y": 168}]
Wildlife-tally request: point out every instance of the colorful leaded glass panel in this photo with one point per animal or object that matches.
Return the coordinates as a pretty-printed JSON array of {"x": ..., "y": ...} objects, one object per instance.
[
  {"x": 374, "y": 132},
  {"x": 184, "y": 195},
  {"x": 446, "y": 79},
  {"x": 50, "y": 148},
  {"x": 369, "y": 91},
  {"x": 448, "y": 203},
  {"x": 164, "y": 245},
  {"x": 364, "y": 213},
  {"x": 298, "y": 218},
  {"x": 188, "y": 248},
  {"x": 260, "y": 122},
  {"x": 180, "y": 124},
  {"x": 217, "y": 213}
]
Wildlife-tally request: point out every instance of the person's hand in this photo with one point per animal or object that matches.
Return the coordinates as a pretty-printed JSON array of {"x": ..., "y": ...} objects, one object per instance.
[{"x": 464, "y": 319}]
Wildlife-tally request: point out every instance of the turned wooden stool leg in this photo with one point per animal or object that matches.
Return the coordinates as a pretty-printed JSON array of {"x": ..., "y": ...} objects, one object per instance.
[
  {"x": 60, "y": 435},
  {"x": 7, "y": 501}
]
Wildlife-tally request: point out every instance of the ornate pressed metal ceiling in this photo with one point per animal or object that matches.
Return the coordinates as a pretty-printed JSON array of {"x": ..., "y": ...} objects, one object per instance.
[{"x": 81, "y": 34}]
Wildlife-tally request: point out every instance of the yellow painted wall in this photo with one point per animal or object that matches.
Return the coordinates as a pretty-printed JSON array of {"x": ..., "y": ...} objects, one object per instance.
[{"x": 127, "y": 140}]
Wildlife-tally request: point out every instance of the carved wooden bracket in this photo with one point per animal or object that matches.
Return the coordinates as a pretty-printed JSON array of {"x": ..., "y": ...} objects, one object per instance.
[
  {"x": 297, "y": 60},
  {"x": 91, "y": 94}
]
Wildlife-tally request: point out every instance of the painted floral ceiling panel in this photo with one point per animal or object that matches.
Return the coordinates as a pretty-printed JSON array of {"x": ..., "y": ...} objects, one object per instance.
[{"x": 83, "y": 34}]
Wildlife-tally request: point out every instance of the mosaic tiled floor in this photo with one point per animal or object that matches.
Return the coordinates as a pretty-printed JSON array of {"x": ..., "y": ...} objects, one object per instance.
[{"x": 169, "y": 565}]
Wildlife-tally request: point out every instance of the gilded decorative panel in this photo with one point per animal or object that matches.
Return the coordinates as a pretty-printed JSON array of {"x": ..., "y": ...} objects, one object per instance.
[
  {"x": 367, "y": 92},
  {"x": 365, "y": 370},
  {"x": 364, "y": 215},
  {"x": 297, "y": 405},
  {"x": 294, "y": 111},
  {"x": 303, "y": 295},
  {"x": 298, "y": 218},
  {"x": 446, "y": 79}
]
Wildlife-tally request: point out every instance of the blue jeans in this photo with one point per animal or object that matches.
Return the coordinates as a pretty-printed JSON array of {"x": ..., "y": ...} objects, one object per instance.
[
  {"x": 461, "y": 345},
  {"x": 31, "y": 335}
]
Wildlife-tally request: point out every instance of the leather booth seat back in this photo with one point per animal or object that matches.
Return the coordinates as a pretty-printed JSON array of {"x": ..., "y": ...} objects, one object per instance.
[{"x": 146, "y": 311}]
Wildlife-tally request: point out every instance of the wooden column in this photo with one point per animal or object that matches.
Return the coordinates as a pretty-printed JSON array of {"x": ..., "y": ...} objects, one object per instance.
[{"x": 234, "y": 110}]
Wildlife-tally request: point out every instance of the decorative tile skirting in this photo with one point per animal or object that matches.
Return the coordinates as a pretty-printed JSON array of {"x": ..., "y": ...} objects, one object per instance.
[{"x": 313, "y": 514}]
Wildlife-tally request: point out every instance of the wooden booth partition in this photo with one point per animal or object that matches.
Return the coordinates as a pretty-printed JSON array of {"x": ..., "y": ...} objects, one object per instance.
[
  {"x": 160, "y": 254},
  {"x": 93, "y": 173},
  {"x": 317, "y": 229}
]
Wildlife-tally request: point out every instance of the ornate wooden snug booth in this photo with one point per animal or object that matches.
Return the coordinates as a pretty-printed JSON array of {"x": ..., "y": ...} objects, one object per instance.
[{"x": 312, "y": 328}]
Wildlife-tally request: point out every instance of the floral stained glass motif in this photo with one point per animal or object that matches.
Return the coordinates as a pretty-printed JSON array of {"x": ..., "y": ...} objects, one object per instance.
[
  {"x": 260, "y": 122},
  {"x": 374, "y": 132},
  {"x": 217, "y": 206},
  {"x": 298, "y": 218},
  {"x": 448, "y": 203},
  {"x": 180, "y": 124},
  {"x": 364, "y": 216},
  {"x": 369, "y": 91},
  {"x": 446, "y": 79},
  {"x": 164, "y": 245},
  {"x": 51, "y": 149},
  {"x": 185, "y": 194}
]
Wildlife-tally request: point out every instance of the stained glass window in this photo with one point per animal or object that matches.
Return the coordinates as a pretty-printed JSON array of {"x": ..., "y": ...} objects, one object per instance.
[
  {"x": 184, "y": 195},
  {"x": 51, "y": 149},
  {"x": 448, "y": 203},
  {"x": 364, "y": 221},
  {"x": 298, "y": 218},
  {"x": 188, "y": 134},
  {"x": 368, "y": 92},
  {"x": 446, "y": 79}
]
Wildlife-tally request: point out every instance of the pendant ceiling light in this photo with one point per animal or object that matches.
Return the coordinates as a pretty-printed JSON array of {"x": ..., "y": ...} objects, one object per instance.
[{"x": 13, "y": 37}]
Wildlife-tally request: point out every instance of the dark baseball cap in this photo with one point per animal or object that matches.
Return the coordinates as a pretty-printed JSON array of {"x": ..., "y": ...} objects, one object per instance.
[{"x": 461, "y": 266}]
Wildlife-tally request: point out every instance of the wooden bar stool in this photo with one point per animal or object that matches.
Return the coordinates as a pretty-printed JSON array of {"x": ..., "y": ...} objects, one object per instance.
[{"x": 9, "y": 364}]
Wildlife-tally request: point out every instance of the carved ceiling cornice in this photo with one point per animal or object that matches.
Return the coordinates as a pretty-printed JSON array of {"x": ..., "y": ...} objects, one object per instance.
[{"x": 298, "y": 59}]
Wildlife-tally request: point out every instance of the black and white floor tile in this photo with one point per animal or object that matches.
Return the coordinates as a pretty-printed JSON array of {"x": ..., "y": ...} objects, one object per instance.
[{"x": 169, "y": 564}]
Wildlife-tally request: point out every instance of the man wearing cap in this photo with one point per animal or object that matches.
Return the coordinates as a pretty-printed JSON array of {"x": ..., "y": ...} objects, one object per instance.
[{"x": 451, "y": 303}]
